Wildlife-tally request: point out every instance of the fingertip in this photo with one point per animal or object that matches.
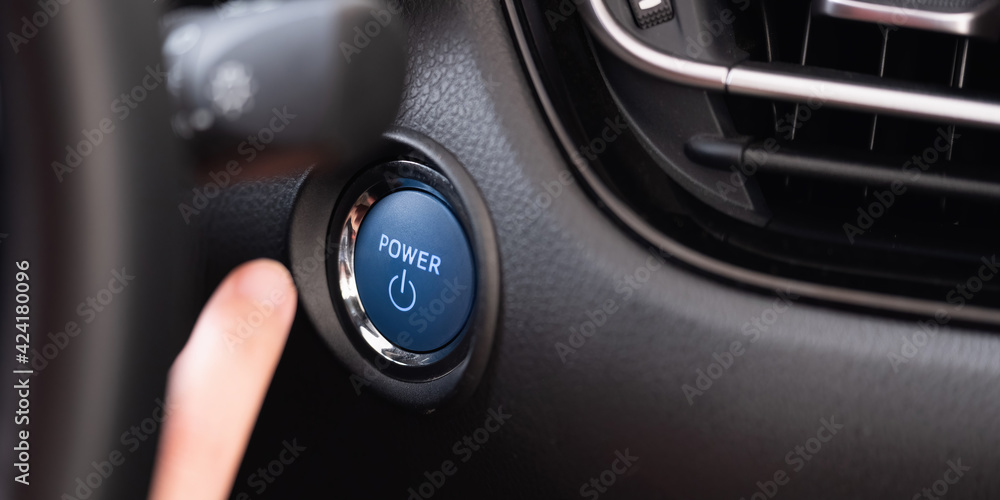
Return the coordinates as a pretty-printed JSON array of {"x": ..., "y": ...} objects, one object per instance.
[
  {"x": 218, "y": 383},
  {"x": 262, "y": 279}
]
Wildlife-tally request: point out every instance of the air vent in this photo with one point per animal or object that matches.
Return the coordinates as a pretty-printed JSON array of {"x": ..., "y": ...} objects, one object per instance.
[
  {"x": 834, "y": 155},
  {"x": 923, "y": 194}
]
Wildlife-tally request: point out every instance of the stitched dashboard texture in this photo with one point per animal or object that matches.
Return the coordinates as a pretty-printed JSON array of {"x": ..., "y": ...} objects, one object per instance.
[{"x": 566, "y": 265}]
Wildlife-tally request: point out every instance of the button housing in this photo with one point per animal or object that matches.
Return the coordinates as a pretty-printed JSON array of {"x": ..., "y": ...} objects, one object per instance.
[
  {"x": 414, "y": 270},
  {"x": 328, "y": 214},
  {"x": 375, "y": 185}
]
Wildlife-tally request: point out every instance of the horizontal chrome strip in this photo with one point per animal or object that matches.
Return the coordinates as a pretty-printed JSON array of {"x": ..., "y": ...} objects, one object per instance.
[
  {"x": 775, "y": 84},
  {"x": 982, "y": 21},
  {"x": 759, "y": 80},
  {"x": 633, "y": 220},
  {"x": 655, "y": 62}
]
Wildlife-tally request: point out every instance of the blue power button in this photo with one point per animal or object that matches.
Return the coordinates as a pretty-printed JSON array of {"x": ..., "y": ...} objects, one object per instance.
[{"x": 414, "y": 270}]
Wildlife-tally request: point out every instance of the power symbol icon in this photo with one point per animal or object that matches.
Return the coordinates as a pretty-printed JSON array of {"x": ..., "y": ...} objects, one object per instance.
[{"x": 402, "y": 290}]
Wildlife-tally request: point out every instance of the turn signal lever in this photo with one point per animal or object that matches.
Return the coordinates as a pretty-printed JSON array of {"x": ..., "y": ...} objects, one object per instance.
[{"x": 308, "y": 73}]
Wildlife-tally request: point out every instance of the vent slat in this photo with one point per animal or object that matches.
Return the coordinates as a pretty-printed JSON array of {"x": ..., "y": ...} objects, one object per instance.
[
  {"x": 834, "y": 162},
  {"x": 802, "y": 62},
  {"x": 881, "y": 73},
  {"x": 958, "y": 81}
]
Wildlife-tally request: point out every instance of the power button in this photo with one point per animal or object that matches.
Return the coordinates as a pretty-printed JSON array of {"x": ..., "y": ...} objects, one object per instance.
[{"x": 414, "y": 270}]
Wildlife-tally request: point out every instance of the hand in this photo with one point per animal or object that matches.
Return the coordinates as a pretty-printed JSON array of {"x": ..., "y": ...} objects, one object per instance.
[{"x": 218, "y": 382}]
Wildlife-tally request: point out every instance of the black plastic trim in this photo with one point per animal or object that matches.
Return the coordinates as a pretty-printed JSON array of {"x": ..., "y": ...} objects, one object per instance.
[
  {"x": 722, "y": 152},
  {"x": 644, "y": 229},
  {"x": 312, "y": 249}
]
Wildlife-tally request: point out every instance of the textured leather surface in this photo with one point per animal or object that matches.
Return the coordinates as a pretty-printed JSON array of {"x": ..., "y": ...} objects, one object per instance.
[
  {"x": 247, "y": 220},
  {"x": 621, "y": 390}
]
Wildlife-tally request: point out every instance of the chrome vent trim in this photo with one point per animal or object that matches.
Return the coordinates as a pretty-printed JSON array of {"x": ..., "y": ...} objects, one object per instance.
[
  {"x": 634, "y": 221},
  {"x": 790, "y": 84},
  {"x": 982, "y": 21}
]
